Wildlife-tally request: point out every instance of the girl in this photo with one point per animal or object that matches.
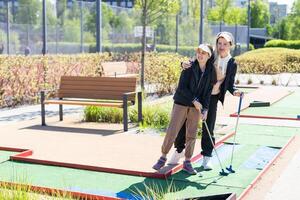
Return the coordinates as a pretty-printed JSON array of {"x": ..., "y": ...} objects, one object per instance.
[
  {"x": 226, "y": 68},
  {"x": 190, "y": 99}
]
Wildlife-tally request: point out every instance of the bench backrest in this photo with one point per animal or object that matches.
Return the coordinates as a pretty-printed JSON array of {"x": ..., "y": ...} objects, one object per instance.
[
  {"x": 96, "y": 87},
  {"x": 114, "y": 68}
]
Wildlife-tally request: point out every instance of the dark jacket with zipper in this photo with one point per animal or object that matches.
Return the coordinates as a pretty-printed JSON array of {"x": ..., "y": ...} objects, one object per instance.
[
  {"x": 194, "y": 84},
  {"x": 228, "y": 83}
]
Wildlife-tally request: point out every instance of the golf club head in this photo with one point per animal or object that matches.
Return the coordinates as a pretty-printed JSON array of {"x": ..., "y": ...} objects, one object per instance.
[
  {"x": 230, "y": 169},
  {"x": 223, "y": 173}
]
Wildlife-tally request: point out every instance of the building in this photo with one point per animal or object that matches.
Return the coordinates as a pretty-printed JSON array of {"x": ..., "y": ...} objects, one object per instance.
[
  {"x": 258, "y": 36},
  {"x": 277, "y": 12},
  {"x": 241, "y": 3},
  {"x": 119, "y": 3},
  {"x": 238, "y": 3}
]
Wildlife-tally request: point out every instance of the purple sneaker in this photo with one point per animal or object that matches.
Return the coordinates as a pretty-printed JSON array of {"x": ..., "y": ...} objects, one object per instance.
[
  {"x": 160, "y": 163},
  {"x": 187, "y": 166}
]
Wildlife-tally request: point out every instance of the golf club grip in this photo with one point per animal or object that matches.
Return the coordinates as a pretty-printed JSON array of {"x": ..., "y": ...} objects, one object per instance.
[{"x": 240, "y": 103}]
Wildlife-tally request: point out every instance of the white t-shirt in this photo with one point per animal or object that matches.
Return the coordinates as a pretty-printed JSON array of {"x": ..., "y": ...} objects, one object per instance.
[{"x": 221, "y": 67}]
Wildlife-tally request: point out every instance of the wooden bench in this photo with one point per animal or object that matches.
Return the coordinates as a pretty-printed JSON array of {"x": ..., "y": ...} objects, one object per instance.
[
  {"x": 96, "y": 91},
  {"x": 118, "y": 69}
]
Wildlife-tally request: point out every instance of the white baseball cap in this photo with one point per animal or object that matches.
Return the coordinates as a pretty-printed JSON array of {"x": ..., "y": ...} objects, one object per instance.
[
  {"x": 227, "y": 36},
  {"x": 204, "y": 47}
]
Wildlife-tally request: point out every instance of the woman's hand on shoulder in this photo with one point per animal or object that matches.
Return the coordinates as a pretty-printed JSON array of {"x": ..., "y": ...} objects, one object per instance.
[{"x": 186, "y": 64}]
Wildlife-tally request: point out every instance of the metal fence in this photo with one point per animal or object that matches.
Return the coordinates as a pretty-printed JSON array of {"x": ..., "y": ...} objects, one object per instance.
[{"x": 71, "y": 28}]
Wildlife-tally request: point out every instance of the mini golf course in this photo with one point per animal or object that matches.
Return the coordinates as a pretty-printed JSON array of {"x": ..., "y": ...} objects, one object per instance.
[{"x": 257, "y": 147}]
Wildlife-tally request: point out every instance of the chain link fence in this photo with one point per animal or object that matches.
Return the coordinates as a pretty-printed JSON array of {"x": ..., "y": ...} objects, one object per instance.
[{"x": 71, "y": 28}]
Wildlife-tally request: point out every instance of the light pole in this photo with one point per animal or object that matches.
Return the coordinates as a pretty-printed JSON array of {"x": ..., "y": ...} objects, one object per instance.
[
  {"x": 7, "y": 27},
  {"x": 98, "y": 25},
  {"x": 81, "y": 27},
  {"x": 177, "y": 24},
  {"x": 201, "y": 23},
  {"x": 249, "y": 25},
  {"x": 44, "y": 51}
]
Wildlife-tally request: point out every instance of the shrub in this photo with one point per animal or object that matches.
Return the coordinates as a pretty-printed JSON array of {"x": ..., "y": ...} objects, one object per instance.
[
  {"x": 153, "y": 116},
  {"x": 22, "y": 77},
  {"x": 103, "y": 114},
  {"x": 249, "y": 81},
  {"x": 136, "y": 48},
  {"x": 261, "y": 82},
  {"x": 290, "y": 44},
  {"x": 269, "y": 61},
  {"x": 163, "y": 70}
]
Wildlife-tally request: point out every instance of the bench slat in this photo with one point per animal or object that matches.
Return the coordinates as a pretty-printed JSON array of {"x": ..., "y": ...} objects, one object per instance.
[
  {"x": 120, "y": 89},
  {"x": 112, "y": 79},
  {"x": 107, "y": 83},
  {"x": 85, "y": 103},
  {"x": 93, "y": 95}
]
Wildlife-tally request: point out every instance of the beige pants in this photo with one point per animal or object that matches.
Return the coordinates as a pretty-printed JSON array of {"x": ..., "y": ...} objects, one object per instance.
[{"x": 178, "y": 116}]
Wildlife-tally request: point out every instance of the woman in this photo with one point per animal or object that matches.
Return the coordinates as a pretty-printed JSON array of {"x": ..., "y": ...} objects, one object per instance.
[
  {"x": 226, "y": 68},
  {"x": 191, "y": 98}
]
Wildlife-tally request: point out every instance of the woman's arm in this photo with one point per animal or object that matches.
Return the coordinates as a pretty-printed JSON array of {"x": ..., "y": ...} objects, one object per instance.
[
  {"x": 183, "y": 88},
  {"x": 231, "y": 86}
]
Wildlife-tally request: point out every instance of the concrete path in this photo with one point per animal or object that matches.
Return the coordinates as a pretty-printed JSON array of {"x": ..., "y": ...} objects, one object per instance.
[{"x": 287, "y": 185}]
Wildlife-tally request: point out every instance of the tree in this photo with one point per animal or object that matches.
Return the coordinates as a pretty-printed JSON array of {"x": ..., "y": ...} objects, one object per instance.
[
  {"x": 260, "y": 15},
  {"x": 288, "y": 27},
  {"x": 107, "y": 19},
  {"x": 294, "y": 20},
  {"x": 74, "y": 12},
  {"x": 236, "y": 15},
  {"x": 61, "y": 7},
  {"x": 219, "y": 12},
  {"x": 282, "y": 29},
  {"x": 151, "y": 11},
  {"x": 190, "y": 8},
  {"x": 29, "y": 12}
]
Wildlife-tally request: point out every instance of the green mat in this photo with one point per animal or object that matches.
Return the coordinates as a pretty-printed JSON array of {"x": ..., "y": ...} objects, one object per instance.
[
  {"x": 253, "y": 139},
  {"x": 287, "y": 107},
  {"x": 266, "y": 140},
  {"x": 254, "y": 130},
  {"x": 240, "y": 179},
  {"x": 4, "y": 155}
]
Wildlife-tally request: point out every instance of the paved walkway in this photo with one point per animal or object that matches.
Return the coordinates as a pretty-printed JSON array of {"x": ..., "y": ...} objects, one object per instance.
[
  {"x": 25, "y": 113},
  {"x": 287, "y": 185}
]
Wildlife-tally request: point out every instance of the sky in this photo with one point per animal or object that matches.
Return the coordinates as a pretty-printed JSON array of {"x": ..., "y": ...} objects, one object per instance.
[{"x": 288, "y": 2}]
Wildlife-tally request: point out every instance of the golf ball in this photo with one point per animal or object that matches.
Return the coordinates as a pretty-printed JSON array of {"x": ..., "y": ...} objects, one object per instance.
[{"x": 215, "y": 180}]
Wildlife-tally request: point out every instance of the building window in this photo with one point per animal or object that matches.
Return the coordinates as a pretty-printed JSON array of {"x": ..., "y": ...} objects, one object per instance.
[
  {"x": 123, "y": 4},
  {"x": 129, "y": 4}
]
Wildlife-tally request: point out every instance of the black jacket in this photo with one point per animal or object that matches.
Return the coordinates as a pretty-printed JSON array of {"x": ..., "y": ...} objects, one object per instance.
[
  {"x": 228, "y": 83},
  {"x": 190, "y": 88}
]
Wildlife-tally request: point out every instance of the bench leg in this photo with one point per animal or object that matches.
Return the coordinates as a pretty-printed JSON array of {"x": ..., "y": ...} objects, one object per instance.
[
  {"x": 125, "y": 114},
  {"x": 43, "y": 108},
  {"x": 60, "y": 111},
  {"x": 140, "y": 115}
]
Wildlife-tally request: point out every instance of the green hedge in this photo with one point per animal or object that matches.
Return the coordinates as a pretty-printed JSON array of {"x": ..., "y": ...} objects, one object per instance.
[
  {"x": 74, "y": 48},
  {"x": 160, "y": 48},
  {"x": 153, "y": 116},
  {"x": 22, "y": 77},
  {"x": 136, "y": 47},
  {"x": 270, "y": 61},
  {"x": 290, "y": 44}
]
